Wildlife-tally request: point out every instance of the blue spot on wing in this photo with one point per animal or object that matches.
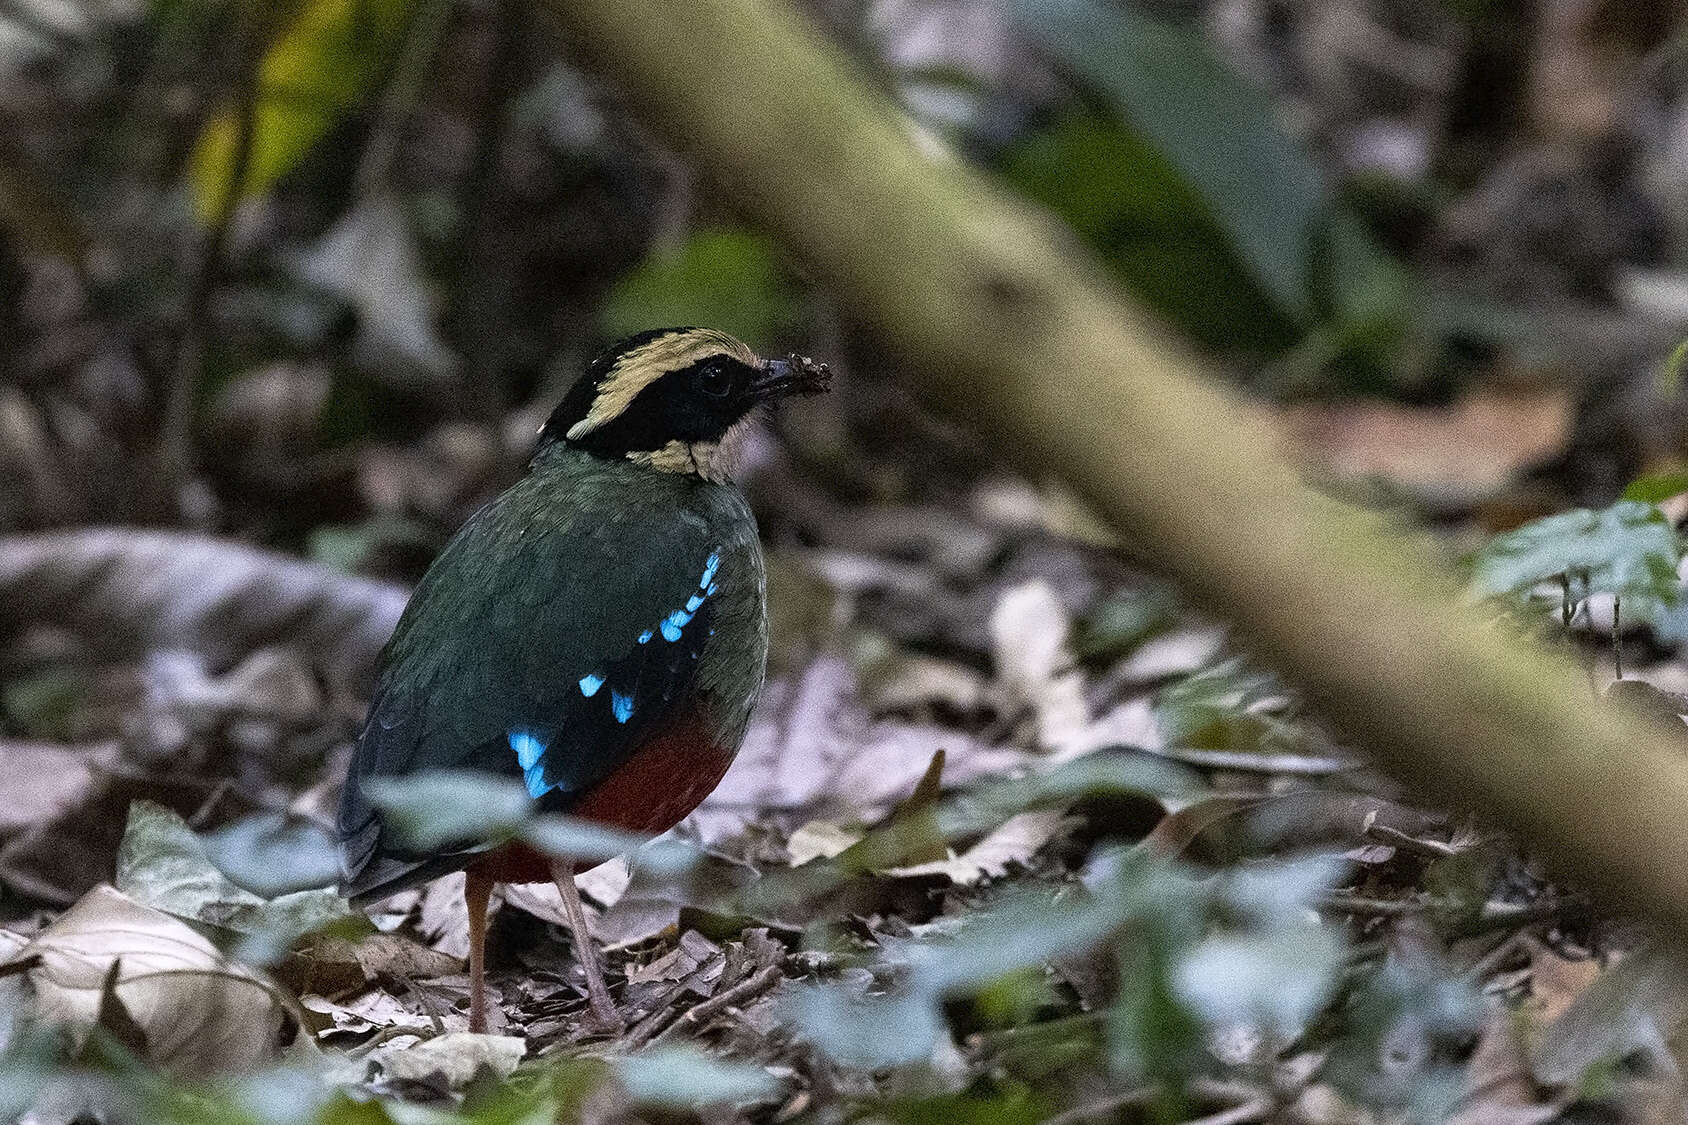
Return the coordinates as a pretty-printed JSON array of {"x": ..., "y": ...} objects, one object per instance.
[
  {"x": 530, "y": 750},
  {"x": 622, "y": 705},
  {"x": 645, "y": 636},
  {"x": 590, "y": 684}
]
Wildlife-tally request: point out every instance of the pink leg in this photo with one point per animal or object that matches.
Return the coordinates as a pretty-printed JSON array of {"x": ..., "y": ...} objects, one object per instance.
[
  {"x": 562, "y": 872},
  {"x": 477, "y": 892}
]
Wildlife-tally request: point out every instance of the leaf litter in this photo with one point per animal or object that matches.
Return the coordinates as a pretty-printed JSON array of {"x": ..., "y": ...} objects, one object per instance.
[{"x": 920, "y": 867}]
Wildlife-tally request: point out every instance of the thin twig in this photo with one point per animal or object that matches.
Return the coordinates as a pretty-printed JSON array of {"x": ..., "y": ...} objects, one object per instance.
[
  {"x": 1433, "y": 849},
  {"x": 1303, "y": 765},
  {"x": 1103, "y": 1107},
  {"x": 175, "y": 443},
  {"x": 763, "y": 980},
  {"x": 398, "y": 100},
  {"x": 1252, "y": 1110},
  {"x": 1617, "y": 636}
]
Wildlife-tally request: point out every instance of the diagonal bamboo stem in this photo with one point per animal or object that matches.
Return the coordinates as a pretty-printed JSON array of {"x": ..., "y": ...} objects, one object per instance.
[{"x": 1011, "y": 328}]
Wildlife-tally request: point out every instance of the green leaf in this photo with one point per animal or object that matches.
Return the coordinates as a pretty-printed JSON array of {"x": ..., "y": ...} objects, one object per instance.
[
  {"x": 45, "y": 704},
  {"x": 162, "y": 864},
  {"x": 1219, "y": 708},
  {"x": 1114, "y": 628},
  {"x": 727, "y": 279},
  {"x": 322, "y": 65},
  {"x": 1211, "y": 154},
  {"x": 1628, "y": 549},
  {"x": 1127, "y": 201},
  {"x": 1217, "y": 130},
  {"x": 1656, "y": 487}
]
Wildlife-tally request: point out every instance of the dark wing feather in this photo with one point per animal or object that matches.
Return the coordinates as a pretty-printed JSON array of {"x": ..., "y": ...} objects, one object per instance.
[{"x": 536, "y": 640}]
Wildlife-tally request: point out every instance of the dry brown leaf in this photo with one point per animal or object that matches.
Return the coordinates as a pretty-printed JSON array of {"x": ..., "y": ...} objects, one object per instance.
[
  {"x": 45, "y": 780},
  {"x": 1471, "y": 448},
  {"x": 154, "y": 589},
  {"x": 1640, "y": 1004},
  {"x": 1498, "y": 1087},
  {"x": 1556, "y": 982},
  {"x": 387, "y": 955},
  {"x": 201, "y": 1014},
  {"x": 1014, "y": 842}
]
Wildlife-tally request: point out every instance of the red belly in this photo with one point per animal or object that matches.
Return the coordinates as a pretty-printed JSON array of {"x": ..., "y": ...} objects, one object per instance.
[{"x": 650, "y": 793}]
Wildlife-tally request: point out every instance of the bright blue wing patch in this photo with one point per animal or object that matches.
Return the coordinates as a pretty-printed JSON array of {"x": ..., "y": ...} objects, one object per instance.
[
  {"x": 530, "y": 749},
  {"x": 643, "y": 681}
]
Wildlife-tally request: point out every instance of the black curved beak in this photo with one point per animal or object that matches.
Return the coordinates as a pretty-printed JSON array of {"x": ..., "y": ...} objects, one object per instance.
[{"x": 793, "y": 375}]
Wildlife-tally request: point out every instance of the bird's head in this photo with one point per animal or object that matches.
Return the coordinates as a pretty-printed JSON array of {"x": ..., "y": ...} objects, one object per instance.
[{"x": 676, "y": 399}]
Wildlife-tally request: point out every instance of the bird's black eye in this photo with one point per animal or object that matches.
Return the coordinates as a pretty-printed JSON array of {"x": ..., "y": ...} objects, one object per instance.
[{"x": 715, "y": 378}]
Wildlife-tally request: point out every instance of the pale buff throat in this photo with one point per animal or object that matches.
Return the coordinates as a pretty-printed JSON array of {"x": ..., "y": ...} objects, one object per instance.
[
  {"x": 715, "y": 461},
  {"x": 641, "y": 367}
]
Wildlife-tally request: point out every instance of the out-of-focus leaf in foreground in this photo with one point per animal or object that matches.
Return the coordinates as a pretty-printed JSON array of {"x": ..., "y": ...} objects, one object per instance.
[
  {"x": 1241, "y": 950},
  {"x": 680, "y": 1078},
  {"x": 456, "y": 808},
  {"x": 273, "y": 854},
  {"x": 321, "y": 67},
  {"x": 197, "y": 1012}
]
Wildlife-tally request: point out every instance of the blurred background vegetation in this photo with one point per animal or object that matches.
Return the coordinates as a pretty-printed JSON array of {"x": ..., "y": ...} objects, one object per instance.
[{"x": 306, "y": 276}]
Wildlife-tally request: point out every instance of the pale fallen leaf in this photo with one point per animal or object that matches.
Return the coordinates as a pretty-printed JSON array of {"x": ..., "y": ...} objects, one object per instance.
[
  {"x": 1172, "y": 654},
  {"x": 130, "y": 590},
  {"x": 909, "y": 683},
  {"x": 813, "y": 746},
  {"x": 444, "y": 917},
  {"x": 1015, "y": 842},
  {"x": 1029, "y": 629},
  {"x": 819, "y": 839},
  {"x": 456, "y": 1058},
  {"x": 201, "y": 1013},
  {"x": 370, "y": 260}
]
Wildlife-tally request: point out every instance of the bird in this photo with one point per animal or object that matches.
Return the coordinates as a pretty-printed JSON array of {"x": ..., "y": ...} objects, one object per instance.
[{"x": 597, "y": 632}]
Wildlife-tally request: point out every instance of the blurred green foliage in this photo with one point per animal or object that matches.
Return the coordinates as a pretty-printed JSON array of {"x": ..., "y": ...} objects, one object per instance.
[
  {"x": 322, "y": 66},
  {"x": 1206, "y": 206},
  {"x": 727, "y": 279}
]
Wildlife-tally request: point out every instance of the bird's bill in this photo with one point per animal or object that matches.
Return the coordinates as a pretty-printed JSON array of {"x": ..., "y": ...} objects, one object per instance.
[{"x": 793, "y": 375}]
